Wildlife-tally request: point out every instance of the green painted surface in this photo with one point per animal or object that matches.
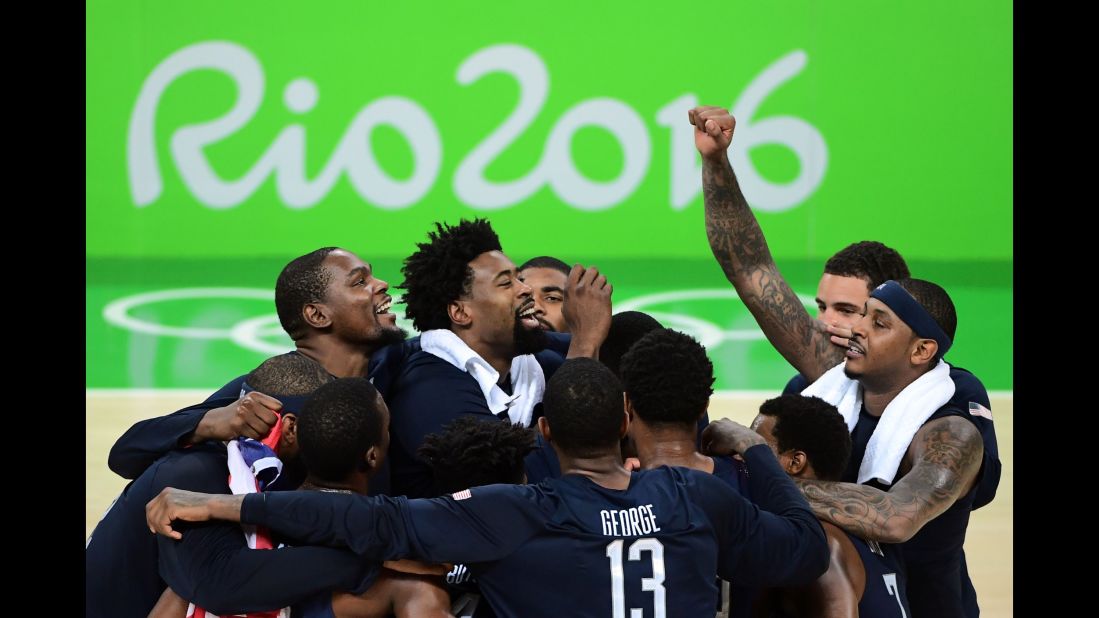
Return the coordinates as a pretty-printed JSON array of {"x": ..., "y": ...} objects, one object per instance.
[{"x": 359, "y": 124}]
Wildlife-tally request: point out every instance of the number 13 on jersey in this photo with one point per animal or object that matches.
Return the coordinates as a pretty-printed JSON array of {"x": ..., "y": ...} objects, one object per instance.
[{"x": 654, "y": 584}]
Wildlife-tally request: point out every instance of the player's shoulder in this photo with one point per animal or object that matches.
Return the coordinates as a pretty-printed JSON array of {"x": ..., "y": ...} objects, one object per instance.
[
  {"x": 424, "y": 366},
  {"x": 694, "y": 485},
  {"x": 428, "y": 378},
  {"x": 202, "y": 465},
  {"x": 503, "y": 493},
  {"x": 967, "y": 388}
]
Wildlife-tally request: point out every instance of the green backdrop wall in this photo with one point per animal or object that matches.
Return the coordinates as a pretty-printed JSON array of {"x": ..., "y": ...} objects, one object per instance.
[{"x": 223, "y": 139}]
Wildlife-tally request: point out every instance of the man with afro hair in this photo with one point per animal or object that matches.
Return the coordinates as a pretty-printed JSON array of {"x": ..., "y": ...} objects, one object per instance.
[
  {"x": 478, "y": 339},
  {"x": 471, "y": 452}
]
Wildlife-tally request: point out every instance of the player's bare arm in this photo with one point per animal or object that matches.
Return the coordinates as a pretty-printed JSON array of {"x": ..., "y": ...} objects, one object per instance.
[
  {"x": 947, "y": 455},
  {"x": 587, "y": 310},
  {"x": 738, "y": 245},
  {"x": 251, "y": 416},
  {"x": 172, "y": 504}
]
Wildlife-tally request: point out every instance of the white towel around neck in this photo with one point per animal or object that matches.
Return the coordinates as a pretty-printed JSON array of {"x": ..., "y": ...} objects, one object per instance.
[
  {"x": 528, "y": 382},
  {"x": 900, "y": 421}
]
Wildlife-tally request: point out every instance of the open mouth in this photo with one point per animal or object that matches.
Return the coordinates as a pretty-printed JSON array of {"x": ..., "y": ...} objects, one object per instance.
[
  {"x": 525, "y": 314},
  {"x": 384, "y": 307},
  {"x": 855, "y": 350}
]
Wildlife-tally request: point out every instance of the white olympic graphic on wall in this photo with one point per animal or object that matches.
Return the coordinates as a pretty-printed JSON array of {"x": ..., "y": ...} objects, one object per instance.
[{"x": 263, "y": 333}]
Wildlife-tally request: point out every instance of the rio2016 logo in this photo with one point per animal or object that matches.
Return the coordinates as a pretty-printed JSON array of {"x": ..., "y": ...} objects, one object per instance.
[{"x": 284, "y": 158}]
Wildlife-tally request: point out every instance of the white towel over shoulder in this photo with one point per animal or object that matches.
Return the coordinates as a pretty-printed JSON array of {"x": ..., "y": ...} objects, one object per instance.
[
  {"x": 528, "y": 382},
  {"x": 902, "y": 418}
]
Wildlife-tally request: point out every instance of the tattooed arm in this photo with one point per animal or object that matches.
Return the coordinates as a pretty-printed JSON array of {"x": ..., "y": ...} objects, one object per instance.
[
  {"x": 739, "y": 246},
  {"x": 947, "y": 454}
]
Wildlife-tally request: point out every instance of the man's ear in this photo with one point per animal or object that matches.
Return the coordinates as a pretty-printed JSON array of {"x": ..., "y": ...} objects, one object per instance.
[
  {"x": 289, "y": 429},
  {"x": 316, "y": 315},
  {"x": 797, "y": 463},
  {"x": 924, "y": 351},
  {"x": 544, "y": 428},
  {"x": 628, "y": 405},
  {"x": 372, "y": 460},
  {"x": 625, "y": 427},
  {"x": 459, "y": 313}
]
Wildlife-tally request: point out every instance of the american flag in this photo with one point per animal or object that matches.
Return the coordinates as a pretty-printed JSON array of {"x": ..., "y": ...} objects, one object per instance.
[{"x": 976, "y": 409}]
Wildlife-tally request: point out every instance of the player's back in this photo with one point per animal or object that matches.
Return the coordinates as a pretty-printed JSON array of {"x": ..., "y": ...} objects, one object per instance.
[
  {"x": 885, "y": 594},
  {"x": 603, "y": 552},
  {"x": 569, "y": 547}
]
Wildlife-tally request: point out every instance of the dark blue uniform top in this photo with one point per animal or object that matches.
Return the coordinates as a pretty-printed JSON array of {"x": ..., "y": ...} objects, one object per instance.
[
  {"x": 885, "y": 595},
  {"x": 735, "y": 474},
  {"x": 428, "y": 394},
  {"x": 938, "y": 584},
  {"x": 147, "y": 440},
  {"x": 126, "y": 568},
  {"x": 968, "y": 390},
  {"x": 596, "y": 551}
]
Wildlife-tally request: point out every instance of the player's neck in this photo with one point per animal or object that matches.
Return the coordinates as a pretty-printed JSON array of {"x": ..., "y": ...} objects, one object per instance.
[
  {"x": 603, "y": 470},
  {"x": 340, "y": 359},
  {"x": 498, "y": 357},
  {"x": 875, "y": 397},
  {"x": 671, "y": 448}
]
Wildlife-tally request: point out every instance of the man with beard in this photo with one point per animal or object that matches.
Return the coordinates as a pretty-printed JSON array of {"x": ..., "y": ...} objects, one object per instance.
[
  {"x": 337, "y": 313},
  {"x": 918, "y": 453},
  {"x": 478, "y": 339},
  {"x": 546, "y": 277}
]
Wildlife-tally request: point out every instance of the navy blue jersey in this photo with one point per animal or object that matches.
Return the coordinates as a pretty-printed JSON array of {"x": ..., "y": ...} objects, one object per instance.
[
  {"x": 126, "y": 568},
  {"x": 885, "y": 595},
  {"x": 148, "y": 440},
  {"x": 933, "y": 557},
  {"x": 937, "y": 584},
  {"x": 387, "y": 363},
  {"x": 970, "y": 395},
  {"x": 428, "y": 394},
  {"x": 735, "y": 474},
  {"x": 595, "y": 551},
  {"x": 796, "y": 384}
]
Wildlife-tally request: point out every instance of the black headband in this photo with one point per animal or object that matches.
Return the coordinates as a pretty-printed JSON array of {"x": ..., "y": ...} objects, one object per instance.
[{"x": 909, "y": 310}]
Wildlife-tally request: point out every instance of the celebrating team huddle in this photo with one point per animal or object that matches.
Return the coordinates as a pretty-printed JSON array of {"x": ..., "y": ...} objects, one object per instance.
[{"x": 531, "y": 454}]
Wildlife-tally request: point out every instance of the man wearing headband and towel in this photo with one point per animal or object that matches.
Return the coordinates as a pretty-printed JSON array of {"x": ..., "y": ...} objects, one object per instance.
[
  {"x": 849, "y": 277},
  {"x": 917, "y": 453}
]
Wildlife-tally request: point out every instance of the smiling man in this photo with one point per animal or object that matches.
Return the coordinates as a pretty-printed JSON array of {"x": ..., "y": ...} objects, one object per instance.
[
  {"x": 479, "y": 336},
  {"x": 919, "y": 451},
  {"x": 337, "y": 313},
  {"x": 546, "y": 277}
]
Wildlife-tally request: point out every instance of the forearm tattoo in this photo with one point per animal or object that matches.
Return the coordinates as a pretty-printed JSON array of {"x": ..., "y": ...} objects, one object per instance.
[
  {"x": 738, "y": 245},
  {"x": 949, "y": 453}
]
